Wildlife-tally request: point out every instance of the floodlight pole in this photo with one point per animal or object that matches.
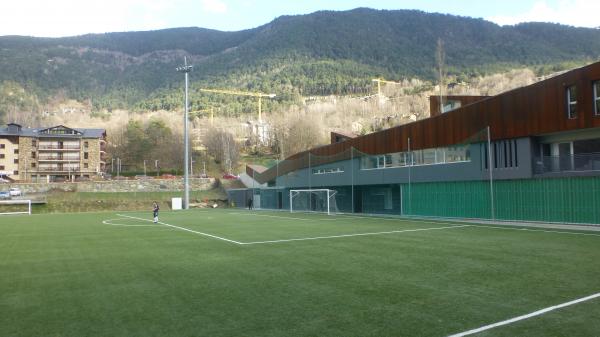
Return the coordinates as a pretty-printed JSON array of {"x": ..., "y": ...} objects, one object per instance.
[
  {"x": 409, "y": 177},
  {"x": 489, "y": 144},
  {"x": 186, "y": 197}
]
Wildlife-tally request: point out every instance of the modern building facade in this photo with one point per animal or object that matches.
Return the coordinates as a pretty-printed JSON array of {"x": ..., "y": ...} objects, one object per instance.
[
  {"x": 57, "y": 153},
  {"x": 532, "y": 153}
]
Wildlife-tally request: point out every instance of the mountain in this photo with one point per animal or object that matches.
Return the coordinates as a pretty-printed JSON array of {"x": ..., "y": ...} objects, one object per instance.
[{"x": 320, "y": 53}]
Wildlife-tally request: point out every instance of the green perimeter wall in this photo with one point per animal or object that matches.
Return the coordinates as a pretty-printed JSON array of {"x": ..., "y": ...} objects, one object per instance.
[{"x": 570, "y": 200}]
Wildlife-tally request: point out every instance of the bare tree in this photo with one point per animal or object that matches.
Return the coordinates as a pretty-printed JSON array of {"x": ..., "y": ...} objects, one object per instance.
[
  {"x": 221, "y": 145},
  {"x": 298, "y": 133}
]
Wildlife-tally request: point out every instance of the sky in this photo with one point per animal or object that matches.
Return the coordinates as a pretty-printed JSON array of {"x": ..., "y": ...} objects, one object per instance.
[{"x": 56, "y": 18}]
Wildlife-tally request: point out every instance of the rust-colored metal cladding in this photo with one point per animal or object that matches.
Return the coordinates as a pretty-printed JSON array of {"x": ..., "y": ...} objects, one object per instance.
[
  {"x": 434, "y": 102},
  {"x": 537, "y": 109}
]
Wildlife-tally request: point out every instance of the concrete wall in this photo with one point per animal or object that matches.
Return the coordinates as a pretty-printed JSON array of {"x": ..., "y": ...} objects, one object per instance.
[{"x": 149, "y": 185}]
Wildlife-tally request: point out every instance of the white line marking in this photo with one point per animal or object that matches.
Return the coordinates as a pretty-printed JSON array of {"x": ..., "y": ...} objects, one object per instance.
[
  {"x": 350, "y": 235},
  {"x": 475, "y": 225},
  {"x": 536, "y": 230},
  {"x": 397, "y": 220},
  {"x": 536, "y": 313},
  {"x": 404, "y": 220},
  {"x": 109, "y": 222},
  {"x": 284, "y": 217},
  {"x": 184, "y": 229}
]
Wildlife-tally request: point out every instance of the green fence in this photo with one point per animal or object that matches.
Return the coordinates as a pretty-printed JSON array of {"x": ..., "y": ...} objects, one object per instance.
[{"x": 567, "y": 200}]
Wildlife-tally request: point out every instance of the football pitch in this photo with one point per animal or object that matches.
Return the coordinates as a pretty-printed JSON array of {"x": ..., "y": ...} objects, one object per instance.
[{"x": 253, "y": 273}]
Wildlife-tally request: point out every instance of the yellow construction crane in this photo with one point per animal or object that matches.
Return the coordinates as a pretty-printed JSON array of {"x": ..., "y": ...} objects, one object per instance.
[
  {"x": 379, "y": 81},
  {"x": 243, "y": 93}
]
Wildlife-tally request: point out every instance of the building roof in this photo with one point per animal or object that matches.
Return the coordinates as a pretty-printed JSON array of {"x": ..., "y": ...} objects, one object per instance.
[{"x": 18, "y": 131}]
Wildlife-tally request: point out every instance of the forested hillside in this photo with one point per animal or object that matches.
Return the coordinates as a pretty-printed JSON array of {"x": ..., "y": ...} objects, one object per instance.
[{"x": 316, "y": 54}]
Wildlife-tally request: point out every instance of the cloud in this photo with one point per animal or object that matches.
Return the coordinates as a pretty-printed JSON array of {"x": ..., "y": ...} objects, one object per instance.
[
  {"x": 73, "y": 17},
  {"x": 214, "y": 6},
  {"x": 579, "y": 13}
]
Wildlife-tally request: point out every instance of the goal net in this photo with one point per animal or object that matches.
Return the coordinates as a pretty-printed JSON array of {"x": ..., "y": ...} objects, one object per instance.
[
  {"x": 15, "y": 207},
  {"x": 313, "y": 200}
]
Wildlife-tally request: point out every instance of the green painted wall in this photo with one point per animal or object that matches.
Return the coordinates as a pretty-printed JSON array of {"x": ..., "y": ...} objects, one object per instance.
[{"x": 572, "y": 200}]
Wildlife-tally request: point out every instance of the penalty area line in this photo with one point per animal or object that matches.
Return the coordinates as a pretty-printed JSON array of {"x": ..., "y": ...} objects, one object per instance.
[
  {"x": 184, "y": 229},
  {"x": 520, "y": 318},
  {"x": 351, "y": 235}
]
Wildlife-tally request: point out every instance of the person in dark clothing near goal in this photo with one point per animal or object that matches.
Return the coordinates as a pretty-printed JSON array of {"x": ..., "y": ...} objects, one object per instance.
[
  {"x": 155, "y": 209},
  {"x": 250, "y": 203}
]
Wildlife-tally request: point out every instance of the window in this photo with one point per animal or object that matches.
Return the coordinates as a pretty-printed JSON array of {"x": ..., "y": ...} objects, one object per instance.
[
  {"x": 450, "y": 105},
  {"x": 16, "y": 151},
  {"x": 33, "y": 154},
  {"x": 16, "y": 161},
  {"x": 1, "y": 167},
  {"x": 597, "y": 98},
  {"x": 86, "y": 144},
  {"x": 384, "y": 161},
  {"x": 85, "y": 155},
  {"x": 85, "y": 165},
  {"x": 32, "y": 165},
  {"x": 33, "y": 142},
  {"x": 16, "y": 173},
  {"x": 572, "y": 102},
  {"x": 2, "y": 146},
  {"x": 1, "y": 155},
  {"x": 323, "y": 170}
]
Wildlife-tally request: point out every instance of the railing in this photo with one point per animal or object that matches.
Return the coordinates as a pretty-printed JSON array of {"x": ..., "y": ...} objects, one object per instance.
[
  {"x": 58, "y": 169},
  {"x": 572, "y": 163},
  {"x": 42, "y": 158},
  {"x": 59, "y": 147}
]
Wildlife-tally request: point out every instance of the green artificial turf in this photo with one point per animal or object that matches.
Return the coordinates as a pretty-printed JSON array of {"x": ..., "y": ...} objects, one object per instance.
[{"x": 73, "y": 275}]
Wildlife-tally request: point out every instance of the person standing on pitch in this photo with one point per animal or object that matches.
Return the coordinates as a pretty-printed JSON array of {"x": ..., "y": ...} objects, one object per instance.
[{"x": 155, "y": 209}]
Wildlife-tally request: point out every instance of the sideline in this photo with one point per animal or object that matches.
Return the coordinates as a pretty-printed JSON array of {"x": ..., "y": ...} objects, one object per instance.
[
  {"x": 520, "y": 318},
  {"x": 283, "y": 217}
]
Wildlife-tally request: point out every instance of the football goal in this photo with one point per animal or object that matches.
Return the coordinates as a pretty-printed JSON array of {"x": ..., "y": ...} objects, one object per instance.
[
  {"x": 313, "y": 200},
  {"x": 8, "y": 207}
]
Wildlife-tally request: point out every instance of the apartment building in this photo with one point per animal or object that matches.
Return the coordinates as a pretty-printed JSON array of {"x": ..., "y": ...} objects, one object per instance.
[{"x": 57, "y": 153}]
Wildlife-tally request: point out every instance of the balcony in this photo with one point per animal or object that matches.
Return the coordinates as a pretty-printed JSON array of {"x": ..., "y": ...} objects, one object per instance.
[
  {"x": 59, "y": 147},
  {"x": 57, "y": 157},
  {"x": 65, "y": 169},
  {"x": 572, "y": 163}
]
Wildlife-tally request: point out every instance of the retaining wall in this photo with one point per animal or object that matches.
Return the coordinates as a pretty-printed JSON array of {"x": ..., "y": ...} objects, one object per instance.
[{"x": 147, "y": 185}]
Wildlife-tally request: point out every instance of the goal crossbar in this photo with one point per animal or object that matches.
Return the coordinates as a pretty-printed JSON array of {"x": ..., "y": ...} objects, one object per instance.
[{"x": 16, "y": 202}]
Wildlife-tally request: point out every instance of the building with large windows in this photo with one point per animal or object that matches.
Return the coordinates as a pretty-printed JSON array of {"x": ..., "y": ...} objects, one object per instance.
[
  {"x": 532, "y": 153},
  {"x": 57, "y": 153}
]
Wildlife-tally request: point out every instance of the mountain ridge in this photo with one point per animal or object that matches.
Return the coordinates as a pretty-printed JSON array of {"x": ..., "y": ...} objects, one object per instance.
[{"x": 325, "y": 52}]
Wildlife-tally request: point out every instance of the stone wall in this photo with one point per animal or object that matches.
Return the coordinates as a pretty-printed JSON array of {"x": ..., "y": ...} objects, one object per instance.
[
  {"x": 25, "y": 149},
  {"x": 93, "y": 161},
  {"x": 147, "y": 185}
]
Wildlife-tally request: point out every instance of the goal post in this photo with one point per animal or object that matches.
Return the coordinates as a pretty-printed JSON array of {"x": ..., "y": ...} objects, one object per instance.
[
  {"x": 313, "y": 200},
  {"x": 8, "y": 207}
]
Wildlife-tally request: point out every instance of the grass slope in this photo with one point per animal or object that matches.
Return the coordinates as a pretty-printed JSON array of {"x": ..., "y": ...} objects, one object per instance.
[
  {"x": 62, "y": 202},
  {"x": 72, "y": 275}
]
